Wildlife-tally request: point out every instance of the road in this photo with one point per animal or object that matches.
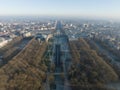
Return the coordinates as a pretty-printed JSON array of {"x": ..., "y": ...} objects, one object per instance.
[
  {"x": 112, "y": 85},
  {"x": 19, "y": 47},
  {"x": 23, "y": 43},
  {"x": 108, "y": 54},
  {"x": 61, "y": 57}
]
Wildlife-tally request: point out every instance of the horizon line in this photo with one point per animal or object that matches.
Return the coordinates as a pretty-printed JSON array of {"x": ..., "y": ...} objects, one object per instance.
[{"x": 64, "y": 16}]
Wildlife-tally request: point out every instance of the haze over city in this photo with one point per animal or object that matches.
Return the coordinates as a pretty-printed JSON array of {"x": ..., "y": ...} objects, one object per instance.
[{"x": 84, "y": 8}]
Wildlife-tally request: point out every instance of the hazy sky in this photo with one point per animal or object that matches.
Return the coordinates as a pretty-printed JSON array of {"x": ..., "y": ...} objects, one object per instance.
[{"x": 99, "y": 8}]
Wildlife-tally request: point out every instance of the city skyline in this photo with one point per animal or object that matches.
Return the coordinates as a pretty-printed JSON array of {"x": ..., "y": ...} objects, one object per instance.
[{"x": 86, "y": 8}]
